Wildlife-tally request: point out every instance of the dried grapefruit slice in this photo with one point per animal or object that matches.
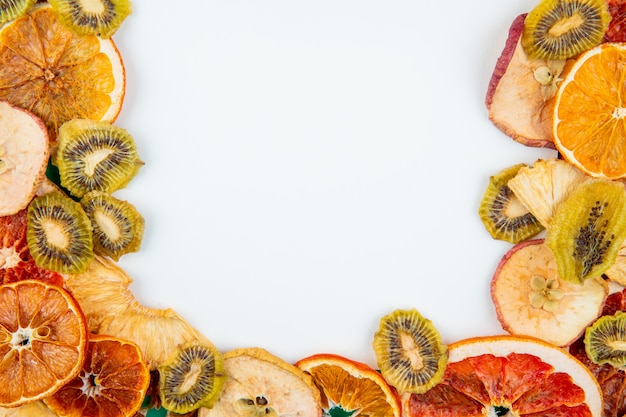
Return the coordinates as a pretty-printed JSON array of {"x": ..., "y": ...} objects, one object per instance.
[
  {"x": 16, "y": 262},
  {"x": 112, "y": 383},
  {"x": 56, "y": 74},
  {"x": 509, "y": 375},
  {"x": 352, "y": 387},
  {"x": 589, "y": 122},
  {"x": 259, "y": 383},
  {"x": 43, "y": 336},
  {"x": 532, "y": 300}
]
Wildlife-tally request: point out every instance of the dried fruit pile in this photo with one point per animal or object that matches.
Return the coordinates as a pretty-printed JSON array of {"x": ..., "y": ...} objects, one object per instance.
[{"x": 74, "y": 340}]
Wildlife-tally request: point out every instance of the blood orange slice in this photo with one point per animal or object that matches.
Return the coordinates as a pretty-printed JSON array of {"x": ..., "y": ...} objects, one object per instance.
[
  {"x": 113, "y": 381},
  {"x": 43, "y": 335},
  {"x": 350, "y": 387},
  {"x": 509, "y": 376}
]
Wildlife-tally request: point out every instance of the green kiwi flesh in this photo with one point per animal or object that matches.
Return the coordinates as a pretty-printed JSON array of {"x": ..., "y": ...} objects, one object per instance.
[
  {"x": 605, "y": 340},
  {"x": 95, "y": 17},
  {"x": 95, "y": 156},
  {"x": 504, "y": 216},
  {"x": 117, "y": 225},
  {"x": 561, "y": 29},
  {"x": 409, "y": 351},
  {"x": 59, "y": 233},
  {"x": 192, "y": 378},
  {"x": 12, "y": 9},
  {"x": 588, "y": 229}
]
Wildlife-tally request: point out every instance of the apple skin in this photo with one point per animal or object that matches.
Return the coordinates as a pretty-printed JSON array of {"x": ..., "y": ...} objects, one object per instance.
[{"x": 519, "y": 101}]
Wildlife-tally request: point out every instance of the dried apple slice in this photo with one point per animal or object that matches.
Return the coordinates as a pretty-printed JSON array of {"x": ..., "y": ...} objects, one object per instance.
[
  {"x": 544, "y": 185},
  {"x": 24, "y": 153},
  {"x": 617, "y": 271},
  {"x": 521, "y": 92},
  {"x": 260, "y": 384},
  {"x": 532, "y": 300}
]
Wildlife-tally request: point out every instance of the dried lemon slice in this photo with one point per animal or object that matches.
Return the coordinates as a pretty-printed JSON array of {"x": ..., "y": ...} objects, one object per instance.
[{"x": 261, "y": 384}]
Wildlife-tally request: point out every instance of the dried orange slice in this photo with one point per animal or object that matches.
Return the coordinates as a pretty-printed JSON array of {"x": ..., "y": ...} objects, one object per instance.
[
  {"x": 509, "y": 376},
  {"x": 589, "y": 123},
  {"x": 113, "y": 381},
  {"x": 351, "y": 387},
  {"x": 57, "y": 74},
  {"x": 43, "y": 336}
]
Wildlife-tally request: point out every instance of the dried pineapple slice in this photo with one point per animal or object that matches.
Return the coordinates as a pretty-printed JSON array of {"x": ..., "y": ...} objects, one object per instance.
[
  {"x": 158, "y": 332},
  {"x": 617, "y": 271},
  {"x": 102, "y": 290},
  {"x": 544, "y": 185},
  {"x": 261, "y": 384}
]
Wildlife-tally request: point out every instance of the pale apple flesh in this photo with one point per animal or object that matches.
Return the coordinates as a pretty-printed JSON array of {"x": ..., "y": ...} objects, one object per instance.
[{"x": 521, "y": 92}]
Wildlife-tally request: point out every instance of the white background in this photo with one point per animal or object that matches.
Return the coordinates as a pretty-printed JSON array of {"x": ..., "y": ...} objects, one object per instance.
[{"x": 312, "y": 166}]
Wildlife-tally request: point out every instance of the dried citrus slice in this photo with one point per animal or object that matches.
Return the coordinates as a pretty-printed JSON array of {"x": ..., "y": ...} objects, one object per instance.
[
  {"x": 59, "y": 75},
  {"x": 112, "y": 383},
  {"x": 532, "y": 300},
  {"x": 590, "y": 106},
  {"x": 509, "y": 376},
  {"x": 43, "y": 336},
  {"x": 16, "y": 262},
  {"x": 259, "y": 383},
  {"x": 351, "y": 387},
  {"x": 23, "y": 157}
]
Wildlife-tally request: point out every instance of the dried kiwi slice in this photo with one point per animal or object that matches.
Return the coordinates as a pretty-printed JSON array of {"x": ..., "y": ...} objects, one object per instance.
[
  {"x": 191, "y": 378},
  {"x": 588, "y": 229},
  {"x": 117, "y": 225},
  {"x": 95, "y": 156},
  {"x": 59, "y": 233},
  {"x": 503, "y": 214},
  {"x": 95, "y": 17},
  {"x": 561, "y": 29},
  {"x": 605, "y": 340},
  {"x": 12, "y": 9},
  {"x": 409, "y": 351}
]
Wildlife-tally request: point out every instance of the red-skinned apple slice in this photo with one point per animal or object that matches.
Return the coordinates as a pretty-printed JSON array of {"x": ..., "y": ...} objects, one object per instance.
[
  {"x": 532, "y": 300},
  {"x": 24, "y": 153},
  {"x": 521, "y": 92}
]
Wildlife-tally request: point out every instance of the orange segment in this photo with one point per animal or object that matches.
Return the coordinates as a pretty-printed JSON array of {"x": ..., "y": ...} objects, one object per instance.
[
  {"x": 43, "y": 336},
  {"x": 112, "y": 383},
  {"x": 509, "y": 376},
  {"x": 589, "y": 124},
  {"x": 351, "y": 386},
  {"x": 59, "y": 75}
]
